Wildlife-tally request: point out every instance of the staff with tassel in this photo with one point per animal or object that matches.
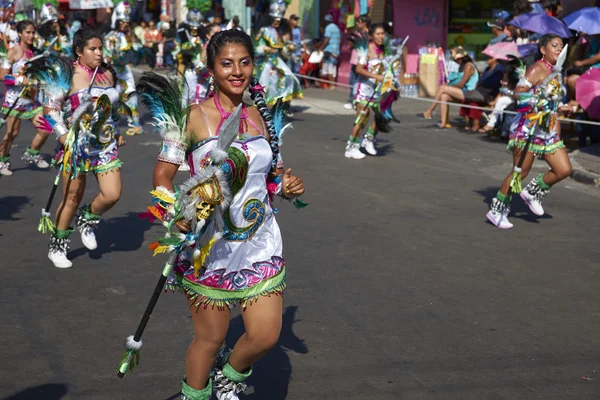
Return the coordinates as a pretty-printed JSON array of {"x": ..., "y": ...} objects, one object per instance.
[{"x": 46, "y": 224}]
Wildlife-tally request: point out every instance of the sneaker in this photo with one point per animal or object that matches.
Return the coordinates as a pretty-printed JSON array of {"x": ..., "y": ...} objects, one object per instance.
[
  {"x": 533, "y": 195},
  {"x": 353, "y": 151},
  {"x": 368, "y": 144},
  {"x": 86, "y": 227},
  {"x": 5, "y": 169},
  {"x": 42, "y": 164},
  {"x": 36, "y": 159},
  {"x": 498, "y": 214},
  {"x": 184, "y": 167},
  {"x": 134, "y": 130},
  {"x": 348, "y": 106},
  {"x": 57, "y": 252}
]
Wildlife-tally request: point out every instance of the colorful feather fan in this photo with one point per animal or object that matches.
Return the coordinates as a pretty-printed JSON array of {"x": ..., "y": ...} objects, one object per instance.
[
  {"x": 53, "y": 72},
  {"x": 202, "y": 5},
  {"x": 162, "y": 96}
]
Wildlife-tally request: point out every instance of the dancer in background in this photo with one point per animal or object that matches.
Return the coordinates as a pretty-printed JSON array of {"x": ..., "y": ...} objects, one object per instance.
[
  {"x": 51, "y": 41},
  {"x": 272, "y": 72},
  {"x": 20, "y": 100},
  {"x": 117, "y": 46},
  {"x": 536, "y": 132},
  {"x": 71, "y": 92}
]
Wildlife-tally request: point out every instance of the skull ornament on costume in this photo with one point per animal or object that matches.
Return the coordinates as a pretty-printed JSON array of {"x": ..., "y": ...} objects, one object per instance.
[{"x": 210, "y": 196}]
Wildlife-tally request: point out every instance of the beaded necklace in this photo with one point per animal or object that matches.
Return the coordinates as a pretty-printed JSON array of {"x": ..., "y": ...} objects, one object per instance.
[{"x": 101, "y": 77}]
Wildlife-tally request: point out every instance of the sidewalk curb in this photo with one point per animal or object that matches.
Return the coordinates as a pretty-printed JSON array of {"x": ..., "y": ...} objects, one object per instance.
[{"x": 582, "y": 175}]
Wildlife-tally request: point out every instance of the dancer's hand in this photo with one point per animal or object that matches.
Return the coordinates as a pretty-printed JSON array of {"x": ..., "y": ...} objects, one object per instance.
[
  {"x": 121, "y": 141},
  {"x": 183, "y": 226},
  {"x": 292, "y": 186},
  {"x": 62, "y": 139}
]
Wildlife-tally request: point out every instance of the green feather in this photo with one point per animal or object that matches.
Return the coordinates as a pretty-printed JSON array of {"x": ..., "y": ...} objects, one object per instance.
[
  {"x": 40, "y": 3},
  {"x": 299, "y": 203},
  {"x": 516, "y": 182},
  {"x": 202, "y": 5}
]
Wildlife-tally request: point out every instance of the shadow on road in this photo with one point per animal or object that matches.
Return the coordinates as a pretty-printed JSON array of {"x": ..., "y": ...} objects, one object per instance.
[
  {"x": 123, "y": 234},
  {"x": 11, "y": 205},
  {"x": 50, "y": 391},
  {"x": 272, "y": 374},
  {"x": 518, "y": 207}
]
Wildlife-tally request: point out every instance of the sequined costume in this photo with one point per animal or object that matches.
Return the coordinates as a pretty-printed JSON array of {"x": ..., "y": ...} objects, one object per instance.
[
  {"x": 272, "y": 72},
  {"x": 57, "y": 46},
  {"x": 537, "y": 116},
  {"x": 116, "y": 48},
  {"x": 25, "y": 97}
]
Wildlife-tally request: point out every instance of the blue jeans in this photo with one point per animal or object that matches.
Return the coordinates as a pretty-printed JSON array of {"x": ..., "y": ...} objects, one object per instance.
[{"x": 353, "y": 79}]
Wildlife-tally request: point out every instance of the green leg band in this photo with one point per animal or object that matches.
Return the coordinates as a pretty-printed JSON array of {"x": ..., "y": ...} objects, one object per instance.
[
  {"x": 63, "y": 234},
  {"x": 506, "y": 199},
  {"x": 371, "y": 132},
  {"x": 353, "y": 139},
  {"x": 32, "y": 152},
  {"x": 195, "y": 394},
  {"x": 235, "y": 376},
  {"x": 87, "y": 213},
  {"x": 541, "y": 183},
  {"x": 5, "y": 159}
]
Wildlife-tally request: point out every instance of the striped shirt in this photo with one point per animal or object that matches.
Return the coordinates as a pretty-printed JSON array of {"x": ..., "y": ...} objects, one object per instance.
[{"x": 333, "y": 33}]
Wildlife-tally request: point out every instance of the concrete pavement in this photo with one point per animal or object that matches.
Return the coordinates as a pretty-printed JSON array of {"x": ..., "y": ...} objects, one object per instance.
[{"x": 398, "y": 287}]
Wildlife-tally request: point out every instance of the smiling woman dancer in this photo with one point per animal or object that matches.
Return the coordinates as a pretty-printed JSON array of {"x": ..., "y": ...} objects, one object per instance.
[
  {"x": 20, "y": 90},
  {"x": 245, "y": 265},
  {"x": 67, "y": 90},
  {"x": 536, "y": 131}
]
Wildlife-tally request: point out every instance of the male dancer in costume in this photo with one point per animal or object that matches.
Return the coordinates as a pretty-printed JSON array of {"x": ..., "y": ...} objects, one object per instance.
[{"x": 50, "y": 40}]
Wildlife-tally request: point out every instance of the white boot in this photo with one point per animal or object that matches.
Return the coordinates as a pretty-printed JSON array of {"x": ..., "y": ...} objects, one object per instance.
[
  {"x": 86, "y": 224},
  {"x": 498, "y": 214},
  {"x": 353, "y": 151},
  {"x": 533, "y": 194},
  {"x": 33, "y": 158},
  {"x": 227, "y": 382},
  {"x": 5, "y": 168},
  {"x": 368, "y": 143},
  {"x": 57, "y": 252}
]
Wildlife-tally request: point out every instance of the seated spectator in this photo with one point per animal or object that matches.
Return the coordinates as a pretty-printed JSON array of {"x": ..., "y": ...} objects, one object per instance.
[
  {"x": 503, "y": 99},
  {"x": 498, "y": 27},
  {"x": 592, "y": 60},
  {"x": 469, "y": 76},
  {"x": 487, "y": 89}
]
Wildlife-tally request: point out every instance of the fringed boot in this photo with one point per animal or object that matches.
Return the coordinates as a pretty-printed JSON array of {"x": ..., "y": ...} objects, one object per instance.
[
  {"x": 368, "y": 142},
  {"x": 499, "y": 210},
  {"x": 534, "y": 193},
  {"x": 86, "y": 224},
  {"x": 58, "y": 248},
  {"x": 189, "y": 393},
  {"x": 227, "y": 382},
  {"x": 5, "y": 166},
  {"x": 353, "y": 149},
  {"x": 34, "y": 157}
]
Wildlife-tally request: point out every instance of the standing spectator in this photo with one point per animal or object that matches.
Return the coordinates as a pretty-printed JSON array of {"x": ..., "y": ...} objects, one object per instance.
[
  {"x": 169, "y": 33},
  {"x": 331, "y": 47},
  {"x": 498, "y": 31},
  {"x": 363, "y": 24},
  {"x": 151, "y": 40},
  {"x": 235, "y": 24},
  {"x": 297, "y": 39}
]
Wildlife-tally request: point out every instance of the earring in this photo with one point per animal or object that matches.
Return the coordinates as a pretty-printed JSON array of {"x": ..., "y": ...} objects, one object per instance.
[{"x": 211, "y": 88}]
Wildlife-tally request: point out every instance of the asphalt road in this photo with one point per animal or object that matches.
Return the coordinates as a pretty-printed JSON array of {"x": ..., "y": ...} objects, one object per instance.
[{"x": 398, "y": 287}]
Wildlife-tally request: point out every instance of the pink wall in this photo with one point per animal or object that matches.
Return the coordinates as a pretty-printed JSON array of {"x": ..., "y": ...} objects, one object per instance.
[{"x": 422, "y": 20}]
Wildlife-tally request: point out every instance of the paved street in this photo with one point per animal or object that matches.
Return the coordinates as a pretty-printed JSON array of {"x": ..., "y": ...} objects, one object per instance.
[{"x": 398, "y": 287}]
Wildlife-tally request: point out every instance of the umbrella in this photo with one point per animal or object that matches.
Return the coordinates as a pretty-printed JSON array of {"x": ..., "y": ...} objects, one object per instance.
[
  {"x": 527, "y": 49},
  {"x": 588, "y": 92},
  {"x": 502, "y": 50},
  {"x": 586, "y": 20},
  {"x": 541, "y": 23},
  {"x": 569, "y": 6}
]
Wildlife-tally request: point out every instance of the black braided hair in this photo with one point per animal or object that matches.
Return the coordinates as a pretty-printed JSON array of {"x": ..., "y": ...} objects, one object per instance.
[{"x": 256, "y": 94}]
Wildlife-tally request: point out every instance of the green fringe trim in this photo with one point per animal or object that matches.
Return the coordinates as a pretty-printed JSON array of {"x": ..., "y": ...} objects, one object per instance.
[
  {"x": 195, "y": 394},
  {"x": 536, "y": 149},
  {"x": 46, "y": 225},
  {"x": 32, "y": 152},
  {"x": 22, "y": 114},
  {"x": 234, "y": 375},
  {"x": 506, "y": 199},
  {"x": 5, "y": 159},
  {"x": 516, "y": 183},
  {"x": 211, "y": 297},
  {"x": 540, "y": 181},
  {"x": 294, "y": 95},
  {"x": 87, "y": 213},
  {"x": 102, "y": 169},
  {"x": 63, "y": 234},
  {"x": 130, "y": 359}
]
